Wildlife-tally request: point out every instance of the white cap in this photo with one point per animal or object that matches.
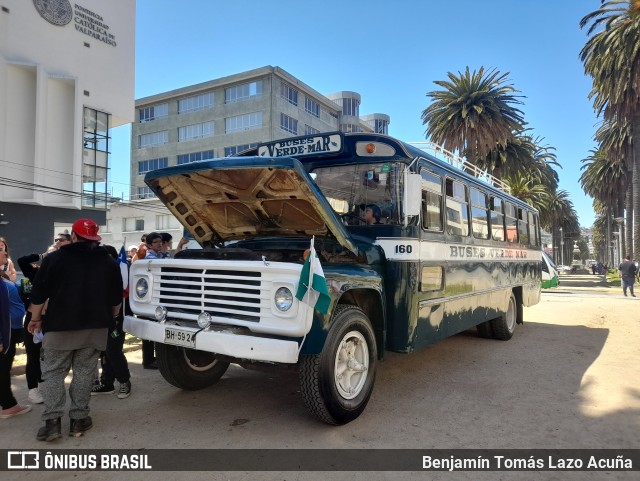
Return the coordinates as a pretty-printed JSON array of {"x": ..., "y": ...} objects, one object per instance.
[{"x": 132, "y": 246}]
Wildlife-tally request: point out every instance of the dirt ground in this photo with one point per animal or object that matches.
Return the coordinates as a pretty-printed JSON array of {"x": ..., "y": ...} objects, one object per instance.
[{"x": 568, "y": 379}]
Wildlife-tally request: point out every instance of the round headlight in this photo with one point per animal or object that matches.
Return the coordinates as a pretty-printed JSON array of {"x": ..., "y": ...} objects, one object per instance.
[
  {"x": 283, "y": 299},
  {"x": 142, "y": 287},
  {"x": 161, "y": 313},
  {"x": 204, "y": 319}
]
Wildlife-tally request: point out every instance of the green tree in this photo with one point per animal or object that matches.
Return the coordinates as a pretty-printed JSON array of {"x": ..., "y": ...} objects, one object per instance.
[
  {"x": 605, "y": 180},
  {"x": 473, "y": 113},
  {"x": 611, "y": 57}
]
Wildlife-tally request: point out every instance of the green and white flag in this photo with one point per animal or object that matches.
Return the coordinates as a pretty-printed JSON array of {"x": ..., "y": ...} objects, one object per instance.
[{"x": 312, "y": 287}]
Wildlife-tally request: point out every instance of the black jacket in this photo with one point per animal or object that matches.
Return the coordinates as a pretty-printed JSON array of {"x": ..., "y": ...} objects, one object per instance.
[{"x": 82, "y": 284}]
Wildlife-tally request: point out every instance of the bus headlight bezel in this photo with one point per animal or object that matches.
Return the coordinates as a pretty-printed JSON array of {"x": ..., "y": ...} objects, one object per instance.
[
  {"x": 283, "y": 299},
  {"x": 142, "y": 288}
]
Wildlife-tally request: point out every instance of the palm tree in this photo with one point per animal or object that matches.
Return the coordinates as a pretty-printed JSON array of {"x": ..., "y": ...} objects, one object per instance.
[
  {"x": 614, "y": 139},
  {"x": 527, "y": 187},
  {"x": 605, "y": 181},
  {"x": 611, "y": 57},
  {"x": 474, "y": 113},
  {"x": 558, "y": 212}
]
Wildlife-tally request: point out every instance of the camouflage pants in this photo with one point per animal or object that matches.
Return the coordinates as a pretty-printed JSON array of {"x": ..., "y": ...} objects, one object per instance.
[{"x": 55, "y": 367}]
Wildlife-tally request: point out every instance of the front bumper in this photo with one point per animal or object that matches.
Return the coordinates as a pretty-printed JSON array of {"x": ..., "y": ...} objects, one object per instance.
[{"x": 228, "y": 341}]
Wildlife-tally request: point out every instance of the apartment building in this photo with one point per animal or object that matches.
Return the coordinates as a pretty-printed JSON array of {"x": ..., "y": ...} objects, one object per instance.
[
  {"x": 225, "y": 116},
  {"x": 219, "y": 118}
]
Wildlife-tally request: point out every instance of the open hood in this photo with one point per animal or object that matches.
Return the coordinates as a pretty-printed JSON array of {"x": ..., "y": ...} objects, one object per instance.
[{"x": 247, "y": 198}]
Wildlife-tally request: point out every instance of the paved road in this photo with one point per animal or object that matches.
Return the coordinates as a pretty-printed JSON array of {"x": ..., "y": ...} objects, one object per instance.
[{"x": 568, "y": 379}]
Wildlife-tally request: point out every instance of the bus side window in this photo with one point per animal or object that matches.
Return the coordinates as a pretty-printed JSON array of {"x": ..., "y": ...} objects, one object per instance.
[
  {"x": 431, "y": 201},
  {"x": 533, "y": 228},
  {"x": 497, "y": 219},
  {"x": 523, "y": 226},
  {"x": 457, "y": 208},
  {"x": 511, "y": 222},
  {"x": 479, "y": 214}
]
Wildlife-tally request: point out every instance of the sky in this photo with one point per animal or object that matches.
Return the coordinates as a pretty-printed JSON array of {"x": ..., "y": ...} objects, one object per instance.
[{"x": 390, "y": 52}]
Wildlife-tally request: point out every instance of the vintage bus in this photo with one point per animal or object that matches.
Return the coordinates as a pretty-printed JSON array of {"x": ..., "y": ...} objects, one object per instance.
[{"x": 444, "y": 253}]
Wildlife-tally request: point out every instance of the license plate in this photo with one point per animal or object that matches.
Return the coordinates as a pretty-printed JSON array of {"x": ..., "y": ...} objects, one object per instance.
[{"x": 179, "y": 337}]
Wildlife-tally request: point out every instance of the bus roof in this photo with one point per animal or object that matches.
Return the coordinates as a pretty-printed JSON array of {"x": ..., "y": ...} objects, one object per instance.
[{"x": 320, "y": 149}]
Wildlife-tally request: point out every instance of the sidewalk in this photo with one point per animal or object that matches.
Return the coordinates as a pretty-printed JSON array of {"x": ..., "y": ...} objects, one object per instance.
[{"x": 587, "y": 282}]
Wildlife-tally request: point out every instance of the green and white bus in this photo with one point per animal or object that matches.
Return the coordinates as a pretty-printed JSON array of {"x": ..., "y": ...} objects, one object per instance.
[{"x": 440, "y": 252}]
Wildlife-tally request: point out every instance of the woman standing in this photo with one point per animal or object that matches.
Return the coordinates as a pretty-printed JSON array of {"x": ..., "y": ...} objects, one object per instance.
[{"x": 7, "y": 267}]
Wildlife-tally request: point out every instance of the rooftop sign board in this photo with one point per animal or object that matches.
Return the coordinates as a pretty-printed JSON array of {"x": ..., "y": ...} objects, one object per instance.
[{"x": 313, "y": 145}]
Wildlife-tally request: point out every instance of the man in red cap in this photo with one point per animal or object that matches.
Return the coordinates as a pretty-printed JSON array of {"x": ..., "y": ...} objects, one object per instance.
[{"x": 83, "y": 286}]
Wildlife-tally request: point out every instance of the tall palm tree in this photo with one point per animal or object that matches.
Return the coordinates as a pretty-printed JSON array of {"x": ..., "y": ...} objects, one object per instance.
[
  {"x": 611, "y": 57},
  {"x": 473, "y": 113},
  {"x": 526, "y": 186},
  {"x": 614, "y": 140},
  {"x": 605, "y": 180},
  {"x": 558, "y": 212}
]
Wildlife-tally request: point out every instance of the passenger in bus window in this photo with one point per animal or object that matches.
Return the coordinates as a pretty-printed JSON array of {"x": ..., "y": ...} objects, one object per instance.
[{"x": 372, "y": 214}]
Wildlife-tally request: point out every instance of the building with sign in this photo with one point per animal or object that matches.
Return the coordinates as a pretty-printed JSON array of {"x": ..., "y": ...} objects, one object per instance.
[{"x": 66, "y": 78}]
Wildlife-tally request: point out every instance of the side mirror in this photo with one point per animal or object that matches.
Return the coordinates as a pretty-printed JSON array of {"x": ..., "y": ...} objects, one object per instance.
[{"x": 413, "y": 195}]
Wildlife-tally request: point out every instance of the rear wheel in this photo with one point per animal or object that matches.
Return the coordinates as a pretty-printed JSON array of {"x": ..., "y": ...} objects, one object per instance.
[
  {"x": 336, "y": 384},
  {"x": 504, "y": 326},
  {"x": 187, "y": 368}
]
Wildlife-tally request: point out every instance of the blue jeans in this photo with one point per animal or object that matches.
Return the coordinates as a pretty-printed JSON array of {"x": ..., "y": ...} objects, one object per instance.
[{"x": 628, "y": 284}]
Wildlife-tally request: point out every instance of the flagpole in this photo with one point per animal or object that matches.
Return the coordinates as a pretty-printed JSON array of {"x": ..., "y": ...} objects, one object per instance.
[{"x": 312, "y": 254}]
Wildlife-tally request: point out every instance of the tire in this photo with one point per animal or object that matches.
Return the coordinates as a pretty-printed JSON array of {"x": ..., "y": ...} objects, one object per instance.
[
  {"x": 484, "y": 330},
  {"x": 350, "y": 349},
  {"x": 187, "y": 368},
  {"x": 504, "y": 326}
]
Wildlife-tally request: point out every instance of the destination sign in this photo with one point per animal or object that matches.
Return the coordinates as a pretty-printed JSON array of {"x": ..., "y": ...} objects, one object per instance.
[{"x": 318, "y": 144}]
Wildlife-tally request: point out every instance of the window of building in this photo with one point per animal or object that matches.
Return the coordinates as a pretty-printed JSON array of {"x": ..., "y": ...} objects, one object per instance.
[
  {"x": 308, "y": 130},
  {"x": 197, "y": 102},
  {"x": 145, "y": 193},
  {"x": 195, "y": 157},
  {"x": 288, "y": 93},
  {"x": 497, "y": 219},
  {"x": 312, "y": 107},
  {"x": 479, "y": 214},
  {"x": 351, "y": 107},
  {"x": 288, "y": 124},
  {"x": 511, "y": 222},
  {"x": 236, "y": 149},
  {"x": 457, "y": 208},
  {"x": 350, "y": 128},
  {"x": 154, "y": 138},
  {"x": 380, "y": 126},
  {"x": 238, "y": 93},
  {"x": 431, "y": 201},
  {"x": 195, "y": 131},
  {"x": 166, "y": 222},
  {"x": 154, "y": 112},
  {"x": 132, "y": 224},
  {"x": 145, "y": 166},
  {"x": 243, "y": 122}
]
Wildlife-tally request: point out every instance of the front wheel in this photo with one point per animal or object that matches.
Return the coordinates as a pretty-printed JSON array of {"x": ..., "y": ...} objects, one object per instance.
[
  {"x": 187, "y": 368},
  {"x": 336, "y": 384},
  {"x": 504, "y": 326}
]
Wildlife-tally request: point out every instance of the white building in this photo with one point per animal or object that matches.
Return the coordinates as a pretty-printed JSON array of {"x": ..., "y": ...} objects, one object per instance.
[{"x": 66, "y": 78}]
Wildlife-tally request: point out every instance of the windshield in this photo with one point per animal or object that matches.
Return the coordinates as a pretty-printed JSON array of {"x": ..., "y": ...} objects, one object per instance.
[{"x": 354, "y": 189}]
